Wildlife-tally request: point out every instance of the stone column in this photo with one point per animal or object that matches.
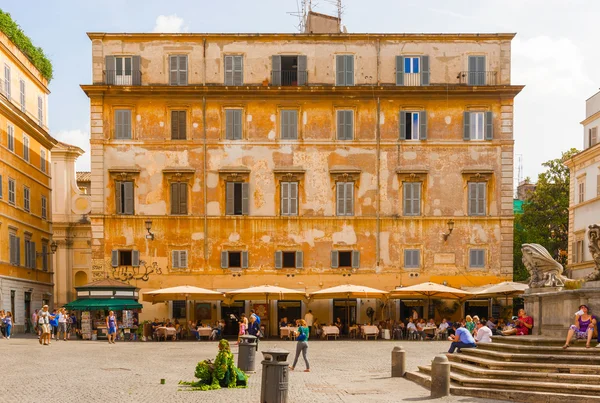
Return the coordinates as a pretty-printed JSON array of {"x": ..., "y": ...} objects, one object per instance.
[
  {"x": 440, "y": 377},
  {"x": 398, "y": 362}
]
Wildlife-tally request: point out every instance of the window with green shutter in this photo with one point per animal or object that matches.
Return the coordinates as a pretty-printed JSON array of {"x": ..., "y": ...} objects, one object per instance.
[
  {"x": 178, "y": 70},
  {"x": 411, "y": 198},
  {"x": 178, "y": 125},
  {"x": 477, "y": 198},
  {"x": 179, "y": 259},
  {"x": 345, "y": 124},
  {"x": 289, "y": 198},
  {"x": 345, "y": 198},
  {"x": 477, "y": 258},
  {"x": 44, "y": 208},
  {"x": 124, "y": 197},
  {"x": 11, "y": 191},
  {"x": 237, "y": 198},
  {"x": 412, "y": 258},
  {"x": 344, "y": 68},
  {"x": 26, "y": 199},
  {"x": 289, "y": 124},
  {"x": 233, "y": 124},
  {"x": 478, "y": 126},
  {"x": 234, "y": 70},
  {"x": 122, "y": 124}
]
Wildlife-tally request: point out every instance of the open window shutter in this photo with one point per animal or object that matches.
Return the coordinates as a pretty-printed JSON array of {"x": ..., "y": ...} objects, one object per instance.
[
  {"x": 466, "y": 126},
  {"x": 335, "y": 259},
  {"x": 349, "y": 70},
  {"x": 399, "y": 70},
  {"x": 299, "y": 259},
  {"x": 238, "y": 70},
  {"x": 340, "y": 198},
  {"x": 229, "y": 195},
  {"x": 229, "y": 124},
  {"x": 174, "y": 125},
  {"x": 128, "y": 198},
  {"x": 109, "y": 70},
  {"x": 481, "y": 201},
  {"x": 237, "y": 124},
  {"x": 135, "y": 258},
  {"x": 302, "y": 72},
  {"x": 136, "y": 70},
  {"x": 294, "y": 125},
  {"x": 293, "y": 188},
  {"x": 182, "y": 125},
  {"x": 33, "y": 255},
  {"x": 278, "y": 259},
  {"x": 127, "y": 124},
  {"x": 340, "y": 125},
  {"x": 349, "y": 120},
  {"x": 173, "y": 70},
  {"x": 340, "y": 70},
  {"x": 175, "y": 259},
  {"x": 406, "y": 197},
  {"x": 355, "y": 259},
  {"x": 118, "y": 198},
  {"x": 423, "y": 125},
  {"x": 416, "y": 202},
  {"x": 349, "y": 198},
  {"x": 183, "y": 259},
  {"x": 472, "y": 198},
  {"x": 489, "y": 126},
  {"x": 114, "y": 258},
  {"x": 245, "y": 198},
  {"x": 244, "y": 259},
  {"x": 18, "y": 251},
  {"x": 224, "y": 259},
  {"x": 285, "y": 195},
  {"x": 424, "y": 70},
  {"x": 183, "y": 198},
  {"x": 183, "y": 70},
  {"x": 276, "y": 70},
  {"x": 285, "y": 124},
  {"x": 402, "y": 125},
  {"x": 228, "y": 70}
]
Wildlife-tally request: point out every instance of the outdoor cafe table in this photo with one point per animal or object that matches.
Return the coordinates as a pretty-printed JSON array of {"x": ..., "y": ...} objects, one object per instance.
[
  {"x": 165, "y": 332},
  {"x": 330, "y": 331},
  {"x": 204, "y": 331},
  {"x": 289, "y": 332},
  {"x": 367, "y": 331},
  {"x": 430, "y": 330}
]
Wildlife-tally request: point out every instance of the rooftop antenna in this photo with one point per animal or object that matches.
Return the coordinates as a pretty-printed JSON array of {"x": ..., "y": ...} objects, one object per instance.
[
  {"x": 340, "y": 11},
  {"x": 302, "y": 10}
]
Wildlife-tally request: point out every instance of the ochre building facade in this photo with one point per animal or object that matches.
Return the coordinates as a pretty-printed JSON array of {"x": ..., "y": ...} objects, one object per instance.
[
  {"x": 302, "y": 160},
  {"x": 25, "y": 187}
]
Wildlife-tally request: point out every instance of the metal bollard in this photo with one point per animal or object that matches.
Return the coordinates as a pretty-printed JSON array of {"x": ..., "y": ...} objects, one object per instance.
[
  {"x": 398, "y": 362},
  {"x": 274, "y": 382},
  {"x": 246, "y": 353},
  {"x": 440, "y": 376}
]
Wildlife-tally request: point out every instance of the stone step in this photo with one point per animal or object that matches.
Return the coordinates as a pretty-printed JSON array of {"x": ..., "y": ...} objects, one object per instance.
[
  {"x": 523, "y": 374},
  {"x": 520, "y": 384},
  {"x": 545, "y": 358},
  {"x": 525, "y": 366},
  {"x": 501, "y": 394},
  {"x": 578, "y": 349},
  {"x": 539, "y": 340}
]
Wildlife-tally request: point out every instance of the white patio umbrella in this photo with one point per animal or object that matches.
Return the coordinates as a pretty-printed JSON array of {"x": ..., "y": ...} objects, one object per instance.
[
  {"x": 505, "y": 289},
  {"x": 347, "y": 291},
  {"x": 266, "y": 291},
  {"x": 429, "y": 289},
  {"x": 182, "y": 292}
]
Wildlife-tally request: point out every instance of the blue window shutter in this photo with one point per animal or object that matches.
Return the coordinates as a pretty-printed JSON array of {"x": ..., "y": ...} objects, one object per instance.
[
  {"x": 466, "y": 126},
  {"x": 424, "y": 70},
  {"x": 402, "y": 125},
  {"x": 276, "y": 70},
  {"x": 399, "y": 70},
  {"x": 423, "y": 125},
  {"x": 489, "y": 126}
]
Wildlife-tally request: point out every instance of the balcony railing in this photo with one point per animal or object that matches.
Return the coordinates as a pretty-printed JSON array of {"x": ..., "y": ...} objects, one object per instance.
[
  {"x": 121, "y": 77},
  {"x": 289, "y": 78},
  {"x": 478, "y": 77}
]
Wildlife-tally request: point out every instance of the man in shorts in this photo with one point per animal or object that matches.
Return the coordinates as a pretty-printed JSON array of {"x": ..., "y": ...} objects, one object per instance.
[{"x": 44, "y": 318}]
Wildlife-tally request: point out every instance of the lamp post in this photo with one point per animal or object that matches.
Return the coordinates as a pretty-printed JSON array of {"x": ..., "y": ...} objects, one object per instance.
[
  {"x": 450, "y": 228},
  {"x": 53, "y": 248}
]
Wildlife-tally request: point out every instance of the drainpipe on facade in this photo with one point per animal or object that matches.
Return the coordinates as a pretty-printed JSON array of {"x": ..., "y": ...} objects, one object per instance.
[
  {"x": 204, "y": 179},
  {"x": 378, "y": 135}
]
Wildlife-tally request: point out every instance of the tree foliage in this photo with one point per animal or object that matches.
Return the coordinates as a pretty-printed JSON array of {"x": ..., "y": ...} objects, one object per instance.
[
  {"x": 545, "y": 218},
  {"x": 36, "y": 55}
]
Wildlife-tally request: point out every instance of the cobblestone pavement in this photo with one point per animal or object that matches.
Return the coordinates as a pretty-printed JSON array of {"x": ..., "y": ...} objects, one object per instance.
[{"x": 95, "y": 371}]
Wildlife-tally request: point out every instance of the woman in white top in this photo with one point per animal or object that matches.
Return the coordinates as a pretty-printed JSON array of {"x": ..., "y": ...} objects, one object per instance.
[
  {"x": 483, "y": 334},
  {"x": 62, "y": 324}
]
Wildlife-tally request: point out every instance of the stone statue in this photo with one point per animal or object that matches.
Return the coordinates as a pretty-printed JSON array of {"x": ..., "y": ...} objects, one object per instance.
[
  {"x": 594, "y": 248},
  {"x": 543, "y": 269}
]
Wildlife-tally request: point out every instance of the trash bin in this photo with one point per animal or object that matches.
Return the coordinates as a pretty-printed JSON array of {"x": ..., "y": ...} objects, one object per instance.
[
  {"x": 247, "y": 351},
  {"x": 274, "y": 383}
]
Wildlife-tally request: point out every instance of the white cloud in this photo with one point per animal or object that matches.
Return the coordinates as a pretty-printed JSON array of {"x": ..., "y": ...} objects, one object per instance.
[
  {"x": 80, "y": 139},
  {"x": 169, "y": 24}
]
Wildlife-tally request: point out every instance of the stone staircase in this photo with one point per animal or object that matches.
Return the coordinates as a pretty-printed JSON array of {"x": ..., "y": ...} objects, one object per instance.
[{"x": 523, "y": 369}]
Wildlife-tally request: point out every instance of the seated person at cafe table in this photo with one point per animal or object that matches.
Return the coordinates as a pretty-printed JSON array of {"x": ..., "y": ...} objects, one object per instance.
[
  {"x": 339, "y": 325},
  {"x": 462, "y": 338},
  {"x": 284, "y": 322}
]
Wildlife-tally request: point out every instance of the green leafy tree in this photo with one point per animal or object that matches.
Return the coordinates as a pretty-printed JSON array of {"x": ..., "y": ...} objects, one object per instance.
[{"x": 545, "y": 218}]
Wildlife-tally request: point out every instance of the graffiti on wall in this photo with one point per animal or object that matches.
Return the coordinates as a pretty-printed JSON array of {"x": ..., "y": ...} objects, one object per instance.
[{"x": 143, "y": 272}]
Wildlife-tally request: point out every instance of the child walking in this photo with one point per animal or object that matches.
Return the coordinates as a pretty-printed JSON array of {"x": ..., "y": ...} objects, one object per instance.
[{"x": 302, "y": 345}]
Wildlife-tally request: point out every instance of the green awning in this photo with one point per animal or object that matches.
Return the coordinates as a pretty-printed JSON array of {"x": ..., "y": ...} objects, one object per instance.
[{"x": 91, "y": 304}]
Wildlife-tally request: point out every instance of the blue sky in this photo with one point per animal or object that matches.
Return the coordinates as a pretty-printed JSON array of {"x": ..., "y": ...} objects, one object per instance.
[{"x": 554, "y": 54}]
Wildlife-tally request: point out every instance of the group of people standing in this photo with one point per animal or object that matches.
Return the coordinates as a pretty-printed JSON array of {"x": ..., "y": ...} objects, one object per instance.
[
  {"x": 6, "y": 323},
  {"x": 52, "y": 325}
]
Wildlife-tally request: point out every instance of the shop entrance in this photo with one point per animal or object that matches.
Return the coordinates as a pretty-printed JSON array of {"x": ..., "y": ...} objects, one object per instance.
[
  {"x": 407, "y": 307},
  {"x": 290, "y": 309},
  {"x": 345, "y": 310},
  {"x": 231, "y": 315}
]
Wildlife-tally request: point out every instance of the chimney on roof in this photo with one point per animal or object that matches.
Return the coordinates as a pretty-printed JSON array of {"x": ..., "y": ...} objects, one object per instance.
[{"x": 317, "y": 23}]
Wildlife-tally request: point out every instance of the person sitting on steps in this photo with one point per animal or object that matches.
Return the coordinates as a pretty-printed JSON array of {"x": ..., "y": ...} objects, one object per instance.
[{"x": 583, "y": 327}]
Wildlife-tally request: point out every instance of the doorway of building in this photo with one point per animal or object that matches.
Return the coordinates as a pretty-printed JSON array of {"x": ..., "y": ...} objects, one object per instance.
[
  {"x": 346, "y": 311},
  {"x": 408, "y": 306},
  {"x": 28, "y": 324},
  {"x": 292, "y": 310},
  {"x": 480, "y": 308},
  {"x": 231, "y": 314}
]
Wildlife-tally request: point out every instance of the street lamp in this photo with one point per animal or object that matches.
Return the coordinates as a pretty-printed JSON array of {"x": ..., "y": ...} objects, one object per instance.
[
  {"x": 53, "y": 248},
  {"x": 450, "y": 228},
  {"x": 150, "y": 235}
]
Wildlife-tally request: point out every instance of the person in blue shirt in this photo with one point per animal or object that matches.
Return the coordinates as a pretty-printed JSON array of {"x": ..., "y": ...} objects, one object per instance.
[{"x": 462, "y": 338}]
